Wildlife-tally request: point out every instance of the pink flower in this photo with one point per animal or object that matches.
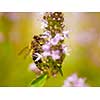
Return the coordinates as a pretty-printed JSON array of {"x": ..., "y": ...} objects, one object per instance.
[
  {"x": 44, "y": 24},
  {"x": 13, "y": 16},
  {"x": 34, "y": 68},
  {"x": 65, "y": 49},
  {"x": 46, "y": 46},
  {"x": 74, "y": 81},
  {"x": 46, "y": 33},
  {"x": 66, "y": 35},
  {"x": 55, "y": 54},
  {"x": 59, "y": 36},
  {"x": 46, "y": 53},
  {"x": 55, "y": 40},
  {"x": 85, "y": 38}
]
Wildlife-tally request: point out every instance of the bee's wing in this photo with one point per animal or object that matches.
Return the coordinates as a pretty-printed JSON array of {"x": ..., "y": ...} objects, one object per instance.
[{"x": 25, "y": 50}]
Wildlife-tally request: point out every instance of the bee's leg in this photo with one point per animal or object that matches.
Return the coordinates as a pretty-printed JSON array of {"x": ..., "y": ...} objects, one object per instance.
[
  {"x": 27, "y": 53},
  {"x": 23, "y": 50}
]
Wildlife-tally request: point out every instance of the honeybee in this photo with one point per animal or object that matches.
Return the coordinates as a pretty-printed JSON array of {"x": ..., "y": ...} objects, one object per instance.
[{"x": 35, "y": 48}]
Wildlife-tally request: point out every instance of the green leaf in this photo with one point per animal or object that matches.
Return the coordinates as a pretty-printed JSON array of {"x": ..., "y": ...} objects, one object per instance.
[
  {"x": 61, "y": 72},
  {"x": 40, "y": 81}
]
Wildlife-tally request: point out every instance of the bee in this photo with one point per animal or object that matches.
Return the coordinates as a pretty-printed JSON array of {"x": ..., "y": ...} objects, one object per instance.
[{"x": 34, "y": 48}]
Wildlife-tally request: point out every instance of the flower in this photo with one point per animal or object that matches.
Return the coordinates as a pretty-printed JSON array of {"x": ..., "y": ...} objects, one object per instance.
[
  {"x": 13, "y": 16},
  {"x": 34, "y": 68},
  {"x": 74, "y": 81},
  {"x": 42, "y": 13},
  {"x": 65, "y": 49},
  {"x": 66, "y": 35},
  {"x": 46, "y": 53},
  {"x": 55, "y": 54},
  {"x": 59, "y": 36},
  {"x": 86, "y": 37},
  {"x": 46, "y": 33},
  {"x": 46, "y": 46},
  {"x": 44, "y": 24},
  {"x": 55, "y": 40}
]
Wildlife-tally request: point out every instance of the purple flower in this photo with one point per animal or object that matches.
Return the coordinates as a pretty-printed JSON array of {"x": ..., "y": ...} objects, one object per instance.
[
  {"x": 81, "y": 82},
  {"x": 46, "y": 46},
  {"x": 44, "y": 24},
  {"x": 46, "y": 53},
  {"x": 66, "y": 35},
  {"x": 42, "y": 13},
  {"x": 34, "y": 68},
  {"x": 84, "y": 38},
  {"x": 65, "y": 49},
  {"x": 46, "y": 34},
  {"x": 74, "y": 81},
  {"x": 13, "y": 16},
  {"x": 55, "y": 54},
  {"x": 55, "y": 40},
  {"x": 59, "y": 37}
]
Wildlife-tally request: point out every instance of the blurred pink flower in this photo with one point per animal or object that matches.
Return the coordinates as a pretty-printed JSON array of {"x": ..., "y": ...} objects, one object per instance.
[
  {"x": 34, "y": 68},
  {"x": 84, "y": 38},
  {"x": 74, "y": 81},
  {"x": 13, "y": 16}
]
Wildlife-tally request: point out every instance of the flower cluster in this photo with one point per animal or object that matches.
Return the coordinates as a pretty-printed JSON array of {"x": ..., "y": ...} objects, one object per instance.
[
  {"x": 74, "y": 81},
  {"x": 53, "y": 48}
]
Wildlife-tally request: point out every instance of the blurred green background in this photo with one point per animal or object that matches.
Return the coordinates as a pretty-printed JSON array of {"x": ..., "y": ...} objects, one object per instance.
[{"x": 16, "y": 31}]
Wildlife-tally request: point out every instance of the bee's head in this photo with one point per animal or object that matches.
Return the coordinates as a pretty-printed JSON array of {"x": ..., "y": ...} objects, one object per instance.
[{"x": 35, "y": 37}]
